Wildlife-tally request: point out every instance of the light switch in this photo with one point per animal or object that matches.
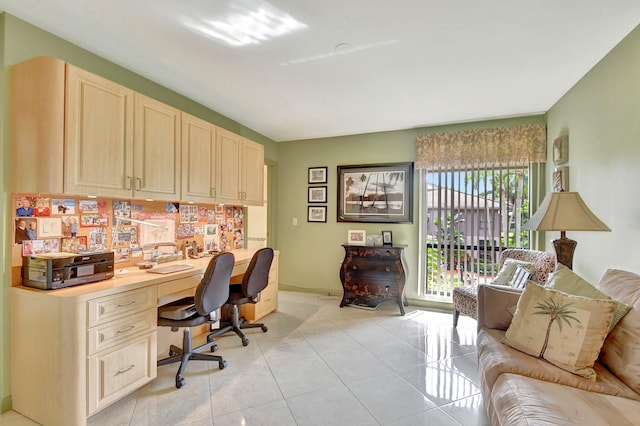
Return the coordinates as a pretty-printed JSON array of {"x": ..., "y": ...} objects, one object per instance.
[{"x": 295, "y": 221}]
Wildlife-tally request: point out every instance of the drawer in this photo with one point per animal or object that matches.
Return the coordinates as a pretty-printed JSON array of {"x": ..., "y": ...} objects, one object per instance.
[
  {"x": 107, "y": 335},
  {"x": 120, "y": 371},
  {"x": 273, "y": 272},
  {"x": 119, "y": 305},
  {"x": 267, "y": 304}
]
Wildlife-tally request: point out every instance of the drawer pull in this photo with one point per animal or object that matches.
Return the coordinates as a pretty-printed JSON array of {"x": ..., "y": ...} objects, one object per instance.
[
  {"x": 125, "y": 330},
  {"x": 354, "y": 267},
  {"x": 387, "y": 269},
  {"x": 124, "y": 370},
  {"x": 122, "y": 305}
]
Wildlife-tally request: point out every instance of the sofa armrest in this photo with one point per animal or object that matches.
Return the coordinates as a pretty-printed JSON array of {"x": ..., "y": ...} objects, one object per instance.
[{"x": 493, "y": 304}]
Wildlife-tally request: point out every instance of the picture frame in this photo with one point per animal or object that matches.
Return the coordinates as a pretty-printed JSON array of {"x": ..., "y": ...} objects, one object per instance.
[
  {"x": 561, "y": 150},
  {"x": 317, "y": 194},
  {"x": 317, "y": 214},
  {"x": 561, "y": 179},
  {"x": 375, "y": 193},
  {"x": 387, "y": 238},
  {"x": 356, "y": 237},
  {"x": 317, "y": 175}
]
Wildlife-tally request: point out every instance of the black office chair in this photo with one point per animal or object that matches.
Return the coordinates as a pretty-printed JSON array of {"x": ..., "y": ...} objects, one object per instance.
[
  {"x": 254, "y": 280},
  {"x": 210, "y": 295}
]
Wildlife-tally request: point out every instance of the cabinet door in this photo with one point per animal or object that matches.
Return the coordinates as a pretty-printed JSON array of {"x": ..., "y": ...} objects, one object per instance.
[
  {"x": 228, "y": 168},
  {"x": 99, "y": 135},
  {"x": 198, "y": 159},
  {"x": 156, "y": 150},
  {"x": 252, "y": 177}
]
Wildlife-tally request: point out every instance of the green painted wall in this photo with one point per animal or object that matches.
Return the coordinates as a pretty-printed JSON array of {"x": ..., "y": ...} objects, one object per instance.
[
  {"x": 311, "y": 253},
  {"x": 601, "y": 115}
]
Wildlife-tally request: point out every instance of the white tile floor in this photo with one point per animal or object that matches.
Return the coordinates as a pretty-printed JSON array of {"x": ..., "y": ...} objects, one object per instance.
[{"x": 320, "y": 365}]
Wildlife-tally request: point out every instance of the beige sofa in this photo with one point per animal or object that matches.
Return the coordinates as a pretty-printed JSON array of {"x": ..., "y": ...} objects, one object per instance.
[{"x": 519, "y": 389}]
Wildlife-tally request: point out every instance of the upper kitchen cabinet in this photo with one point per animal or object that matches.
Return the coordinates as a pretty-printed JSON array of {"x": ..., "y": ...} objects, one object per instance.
[
  {"x": 37, "y": 125},
  {"x": 239, "y": 174},
  {"x": 99, "y": 135},
  {"x": 156, "y": 156},
  {"x": 74, "y": 132},
  {"x": 198, "y": 159}
]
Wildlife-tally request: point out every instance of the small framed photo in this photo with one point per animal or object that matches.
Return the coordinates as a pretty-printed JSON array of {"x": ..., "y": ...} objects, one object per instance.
[
  {"x": 356, "y": 237},
  {"x": 561, "y": 150},
  {"x": 317, "y": 194},
  {"x": 387, "y": 239},
  {"x": 561, "y": 179},
  {"x": 317, "y": 214},
  {"x": 317, "y": 175}
]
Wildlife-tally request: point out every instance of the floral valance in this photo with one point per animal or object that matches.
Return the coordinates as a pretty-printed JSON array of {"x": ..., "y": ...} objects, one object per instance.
[{"x": 502, "y": 146}]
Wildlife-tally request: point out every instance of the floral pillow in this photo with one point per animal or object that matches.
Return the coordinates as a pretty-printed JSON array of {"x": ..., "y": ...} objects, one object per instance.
[
  {"x": 565, "y": 330},
  {"x": 508, "y": 269}
]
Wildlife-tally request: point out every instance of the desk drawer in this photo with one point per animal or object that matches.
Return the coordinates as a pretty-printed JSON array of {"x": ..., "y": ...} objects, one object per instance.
[
  {"x": 113, "y": 333},
  {"x": 118, "y": 372},
  {"x": 119, "y": 305}
]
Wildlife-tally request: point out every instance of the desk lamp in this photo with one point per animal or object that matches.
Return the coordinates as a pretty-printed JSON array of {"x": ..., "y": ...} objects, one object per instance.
[{"x": 564, "y": 211}]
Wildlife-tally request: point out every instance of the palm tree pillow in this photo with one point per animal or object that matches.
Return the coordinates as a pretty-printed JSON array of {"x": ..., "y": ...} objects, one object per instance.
[{"x": 565, "y": 330}]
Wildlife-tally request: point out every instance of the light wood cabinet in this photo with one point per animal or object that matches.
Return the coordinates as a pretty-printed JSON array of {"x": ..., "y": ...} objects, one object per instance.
[
  {"x": 198, "y": 160},
  {"x": 99, "y": 135},
  {"x": 240, "y": 170},
  {"x": 156, "y": 155},
  {"x": 268, "y": 302}
]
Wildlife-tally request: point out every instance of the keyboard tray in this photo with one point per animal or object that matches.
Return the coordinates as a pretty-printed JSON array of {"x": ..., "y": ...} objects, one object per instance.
[{"x": 170, "y": 269}]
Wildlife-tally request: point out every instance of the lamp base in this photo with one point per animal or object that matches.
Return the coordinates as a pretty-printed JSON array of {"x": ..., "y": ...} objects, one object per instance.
[{"x": 564, "y": 250}]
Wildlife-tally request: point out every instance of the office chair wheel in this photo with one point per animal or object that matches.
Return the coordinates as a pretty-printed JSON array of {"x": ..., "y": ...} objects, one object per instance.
[
  {"x": 180, "y": 382},
  {"x": 264, "y": 328},
  {"x": 245, "y": 341},
  {"x": 214, "y": 347},
  {"x": 222, "y": 364}
]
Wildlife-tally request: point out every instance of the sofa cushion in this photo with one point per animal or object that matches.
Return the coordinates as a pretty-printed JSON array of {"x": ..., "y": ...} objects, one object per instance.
[
  {"x": 518, "y": 400},
  {"x": 508, "y": 269},
  {"x": 621, "y": 350},
  {"x": 622, "y": 285},
  {"x": 566, "y": 330},
  {"x": 496, "y": 359},
  {"x": 564, "y": 279}
]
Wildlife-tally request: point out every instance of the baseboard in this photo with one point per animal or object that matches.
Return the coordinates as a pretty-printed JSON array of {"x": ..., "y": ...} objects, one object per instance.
[
  {"x": 6, "y": 404},
  {"x": 322, "y": 291}
]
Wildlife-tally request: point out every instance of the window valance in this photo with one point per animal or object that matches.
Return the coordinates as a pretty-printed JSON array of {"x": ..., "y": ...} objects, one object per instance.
[{"x": 512, "y": 145}]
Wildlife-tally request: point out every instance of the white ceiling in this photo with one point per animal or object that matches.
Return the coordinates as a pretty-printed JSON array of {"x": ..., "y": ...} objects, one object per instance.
[{"x": 350, "y": 66}]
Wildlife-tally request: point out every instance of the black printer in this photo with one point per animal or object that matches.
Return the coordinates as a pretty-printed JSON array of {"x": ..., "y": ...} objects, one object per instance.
[{"x": 58, "y": 270}]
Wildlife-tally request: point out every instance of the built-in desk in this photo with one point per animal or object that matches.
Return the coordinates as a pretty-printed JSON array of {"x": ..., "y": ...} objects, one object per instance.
[{"x": 75, "y": 351}]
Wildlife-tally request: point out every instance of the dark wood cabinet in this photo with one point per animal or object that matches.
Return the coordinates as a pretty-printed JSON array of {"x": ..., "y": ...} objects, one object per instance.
[{"x": 371, "y": 275}]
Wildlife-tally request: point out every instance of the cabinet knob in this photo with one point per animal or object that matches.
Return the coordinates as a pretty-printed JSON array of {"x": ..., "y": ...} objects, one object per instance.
[
  {"x": 387, "y": 269},
  {"x": 354, "y": 267}
]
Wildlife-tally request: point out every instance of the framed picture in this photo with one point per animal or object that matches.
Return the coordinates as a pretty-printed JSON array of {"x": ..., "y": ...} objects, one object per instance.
[
  {"x": 317, "y": 214},
  {"x": 356, "y": 237},
  {"x": 317, "y": 194},
  {"x": 317, "y": 175},
  {"x": 387, "y": 240},
  {"x": 376, "y": 193},
  {"x": 561, "y": 150},
  {"x": 561, "y": 179}
]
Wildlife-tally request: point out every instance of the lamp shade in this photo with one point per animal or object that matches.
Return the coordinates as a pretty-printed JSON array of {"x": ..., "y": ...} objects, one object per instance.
[{"x": 564, "y": 211}]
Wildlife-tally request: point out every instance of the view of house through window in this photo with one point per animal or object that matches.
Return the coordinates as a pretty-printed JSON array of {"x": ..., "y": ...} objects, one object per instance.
[{"x": 469, "y": 216}]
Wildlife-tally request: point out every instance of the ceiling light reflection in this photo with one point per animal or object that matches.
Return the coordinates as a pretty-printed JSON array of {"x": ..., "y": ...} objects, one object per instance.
[{"x": 253, "y": 23}]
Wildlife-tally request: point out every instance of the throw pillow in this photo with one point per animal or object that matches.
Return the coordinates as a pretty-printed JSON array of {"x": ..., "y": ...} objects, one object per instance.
[
  {"x": 520, "y": 277},
  {"x": 508, "y": 268},
  {"x": 565, "y": 330},
  {"x": 564, "y": 279}
]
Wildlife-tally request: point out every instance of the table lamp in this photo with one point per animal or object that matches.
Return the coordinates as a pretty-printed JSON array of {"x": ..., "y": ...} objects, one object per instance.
[{"x": 564, "y": 211}]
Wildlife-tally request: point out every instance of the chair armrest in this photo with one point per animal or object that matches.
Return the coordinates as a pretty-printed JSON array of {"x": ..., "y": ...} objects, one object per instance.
[{"x": 493, "y": 304}]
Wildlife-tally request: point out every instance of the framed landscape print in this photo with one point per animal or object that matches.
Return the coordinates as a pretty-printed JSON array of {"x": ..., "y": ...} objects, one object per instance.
[
  {"x": 317, "y": 214},
  {"x": 376, "y": 193},
  {"x": 317, "y": 194},
  {"x": 317, "y": 175}
]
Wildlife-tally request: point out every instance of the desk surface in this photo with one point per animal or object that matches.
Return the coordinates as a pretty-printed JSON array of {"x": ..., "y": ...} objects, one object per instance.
[{"x": 136, "y": 278}]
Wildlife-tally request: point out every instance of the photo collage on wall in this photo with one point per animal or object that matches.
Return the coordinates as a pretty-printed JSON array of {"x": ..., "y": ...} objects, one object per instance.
[{"x": 51, "y": 225}]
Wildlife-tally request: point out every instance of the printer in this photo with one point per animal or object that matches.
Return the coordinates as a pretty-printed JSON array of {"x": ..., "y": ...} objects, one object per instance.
[{"x": 58, "y": 270}]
